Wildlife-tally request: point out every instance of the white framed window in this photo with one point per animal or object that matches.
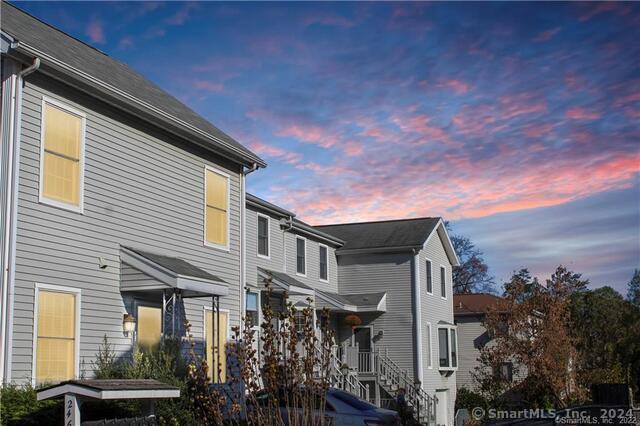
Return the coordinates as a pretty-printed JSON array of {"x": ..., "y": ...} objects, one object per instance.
[
  {"x": 443, "y": 281},
  {"x": 429, "y": 275},
  {"x": 264, "y": 236},
  {"x": 324, "y": 262},
  {"x": 447, "y": 347},
  {"x": 56, "y": 336},
  {"x": 301, "y": 256},
  {"x": 429, "y": 347},
  {"x": 62, "y": 144},
  {"x": 251, "y": 308},
  {"x": 216, "y": 208}
]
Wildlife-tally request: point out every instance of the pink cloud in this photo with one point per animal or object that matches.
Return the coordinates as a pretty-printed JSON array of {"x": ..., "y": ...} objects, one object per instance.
[
  {"x": 95, "y": 31},
  {"x": 458, "y": 86},
  {"x": 353, "y": 148},
  {"x": 181, "y": 16},
  {"x": 289, "y": 157},
  {"x": 546, "y": 35},
  {"x": 582, "y": 114},
  {"x": 310, "y": 134},
  {"x": 208, "y": 86}
]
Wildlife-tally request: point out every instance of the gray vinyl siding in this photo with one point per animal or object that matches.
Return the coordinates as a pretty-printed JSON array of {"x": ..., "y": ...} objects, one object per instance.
[
  {"x": 471, "y": 334},
  {"x": 282, "y": 257},
  {"x": 391, "y": 273},
  {"x": 142, "y": 188},
  {"x": 435, "y": 309}
]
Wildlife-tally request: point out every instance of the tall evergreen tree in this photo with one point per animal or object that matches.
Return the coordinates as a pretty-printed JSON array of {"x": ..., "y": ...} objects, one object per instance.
[{"x": 633, "y": 289}]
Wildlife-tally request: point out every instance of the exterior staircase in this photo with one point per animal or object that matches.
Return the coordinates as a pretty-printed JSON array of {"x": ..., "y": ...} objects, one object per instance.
[
  {"x": 391, "y": 377},
  {"x": 342, "y": 377}
]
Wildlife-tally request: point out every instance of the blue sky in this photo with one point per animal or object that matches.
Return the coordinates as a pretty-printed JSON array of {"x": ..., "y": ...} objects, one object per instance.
[{"x": 519, "y": 122}]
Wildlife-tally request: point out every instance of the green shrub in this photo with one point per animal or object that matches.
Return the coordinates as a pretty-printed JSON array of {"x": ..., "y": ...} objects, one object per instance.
[
  {"x": 469, "y": 399},
  {"x": 20, "y": 406}
]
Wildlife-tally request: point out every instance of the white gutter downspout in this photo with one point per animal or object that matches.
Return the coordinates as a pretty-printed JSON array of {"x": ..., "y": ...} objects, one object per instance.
[
  {"x": 13, "y": 219},
  {"x": 418, "y": 314},
  {"x": 243, "y": 242}
]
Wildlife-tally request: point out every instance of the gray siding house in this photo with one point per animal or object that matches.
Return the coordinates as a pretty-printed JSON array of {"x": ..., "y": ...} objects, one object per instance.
[
  {"x": 394, "y": 277},
  {"x": 122, "y": 209}
]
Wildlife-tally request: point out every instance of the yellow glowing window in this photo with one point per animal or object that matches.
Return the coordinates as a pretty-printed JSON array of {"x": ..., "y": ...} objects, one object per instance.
[
  {"x": 149, "y": 326},
  {"x": 56, "y": 340},
  {"x": 61, "y": 155},
  {"x": 217, "y": 208},
  {"x": 217, "y": 365}
]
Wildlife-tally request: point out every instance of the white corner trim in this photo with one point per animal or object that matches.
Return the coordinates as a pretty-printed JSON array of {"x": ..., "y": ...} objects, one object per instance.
[
  {"x": 259, "y": 215},
  {"x": 210, "y": 168},
  {"x": 418, "y": 313},
  {"x": 298, "y": 237},
  {"x": 328, "y": 272},
  {"x": 60, "y": 289},
  {"x": 83, "y": 131}
]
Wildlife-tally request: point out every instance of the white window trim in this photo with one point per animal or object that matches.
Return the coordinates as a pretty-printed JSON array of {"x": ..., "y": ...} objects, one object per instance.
[
  {"x": 449, "y": 328},
  {"x": 268, "y": 256},
  {"x": 446, "y": 282},
  {"x": 426, "y": 276},
  {"x": 258, "y": 307},
  {"x": 60, "y": 289},
  {"x": 83, "y": 127},
  {"x": 429, "y": 347},
  {"x": 328, "y": 275},
  {"x": 225, "y": 247},
  {"x": 306, "y": 266},
  {"x": 147, "y": 304}
]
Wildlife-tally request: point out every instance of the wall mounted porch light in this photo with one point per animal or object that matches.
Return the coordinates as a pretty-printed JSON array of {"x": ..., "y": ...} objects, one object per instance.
[{"x": 128, "y": 324}]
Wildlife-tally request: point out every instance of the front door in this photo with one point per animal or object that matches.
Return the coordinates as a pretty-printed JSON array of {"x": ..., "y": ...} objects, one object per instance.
[
  {"x": 217, "y": 372},
  {"x": 362, "y": 336},
  {"x": 442, "y": 409}
]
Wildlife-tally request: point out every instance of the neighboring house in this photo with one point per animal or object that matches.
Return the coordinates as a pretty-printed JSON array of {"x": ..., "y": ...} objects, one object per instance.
[
  {"x": 470, "y": 311},
  {"x": 395, "y": 276},
  {"x": 122, "y": 209}
]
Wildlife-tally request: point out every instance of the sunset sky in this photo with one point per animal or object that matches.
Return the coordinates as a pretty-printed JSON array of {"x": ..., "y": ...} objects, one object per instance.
[{"x": 518, "y": 122}]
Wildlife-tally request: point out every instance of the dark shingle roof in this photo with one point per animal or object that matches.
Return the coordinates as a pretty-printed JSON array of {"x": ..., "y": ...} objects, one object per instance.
[
  {"x": 382, "y": 234},
  {"x": 55, "y": 43},
  {"x": 117, "y": 384},
  {"x": 176, "y": 265}
]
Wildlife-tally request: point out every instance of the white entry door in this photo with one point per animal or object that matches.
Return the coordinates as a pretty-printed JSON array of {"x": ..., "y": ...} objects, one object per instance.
[{"x": 442, "y": 409}]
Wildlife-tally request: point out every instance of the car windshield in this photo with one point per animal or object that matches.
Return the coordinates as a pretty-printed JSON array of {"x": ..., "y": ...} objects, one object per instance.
[{"x": 353, "y": 401}]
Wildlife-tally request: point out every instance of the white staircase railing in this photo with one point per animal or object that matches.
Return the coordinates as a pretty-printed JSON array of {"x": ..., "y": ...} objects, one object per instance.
[
  {"x": 341, "y": 377},
  {"x": 391, "y": 377}
]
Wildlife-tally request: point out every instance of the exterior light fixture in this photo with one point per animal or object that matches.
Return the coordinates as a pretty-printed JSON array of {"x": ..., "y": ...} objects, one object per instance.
[{"x": 128, "y": 324}]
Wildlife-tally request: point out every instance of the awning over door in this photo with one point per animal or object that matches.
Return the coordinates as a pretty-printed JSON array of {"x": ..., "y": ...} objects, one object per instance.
[
  {"x": 284, "y": 282},
  {"x": 361, "y": 302},
  {"x": 146, "y": 271}
]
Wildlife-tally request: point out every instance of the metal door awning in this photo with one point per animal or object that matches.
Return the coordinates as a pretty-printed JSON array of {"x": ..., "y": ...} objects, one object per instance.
[
  {"x": 284, "y": 282},
  {"x": 361, "y": 302},
  {"x": 168, "y": 273}
]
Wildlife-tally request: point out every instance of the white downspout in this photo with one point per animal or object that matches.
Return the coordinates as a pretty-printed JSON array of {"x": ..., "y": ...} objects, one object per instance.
[
  {"x": 418, "y": 313},
  {"x": 243, "y": 242},
  {"x": 13, "y": 219}
]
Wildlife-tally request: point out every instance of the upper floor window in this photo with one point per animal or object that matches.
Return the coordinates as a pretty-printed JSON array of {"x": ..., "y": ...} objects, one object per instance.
[
  {"x": 263, "y": 235},
  {"x": 429, "y": 277},
  {"x": 324, "y": 263},
  {"x": 301, "y": 256},
  {"x": 62, "y": 155},
  {"x": 443, "y": 282},
  {"x": 216, "y": 223},
  {"x": 448, "y": 347}
]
